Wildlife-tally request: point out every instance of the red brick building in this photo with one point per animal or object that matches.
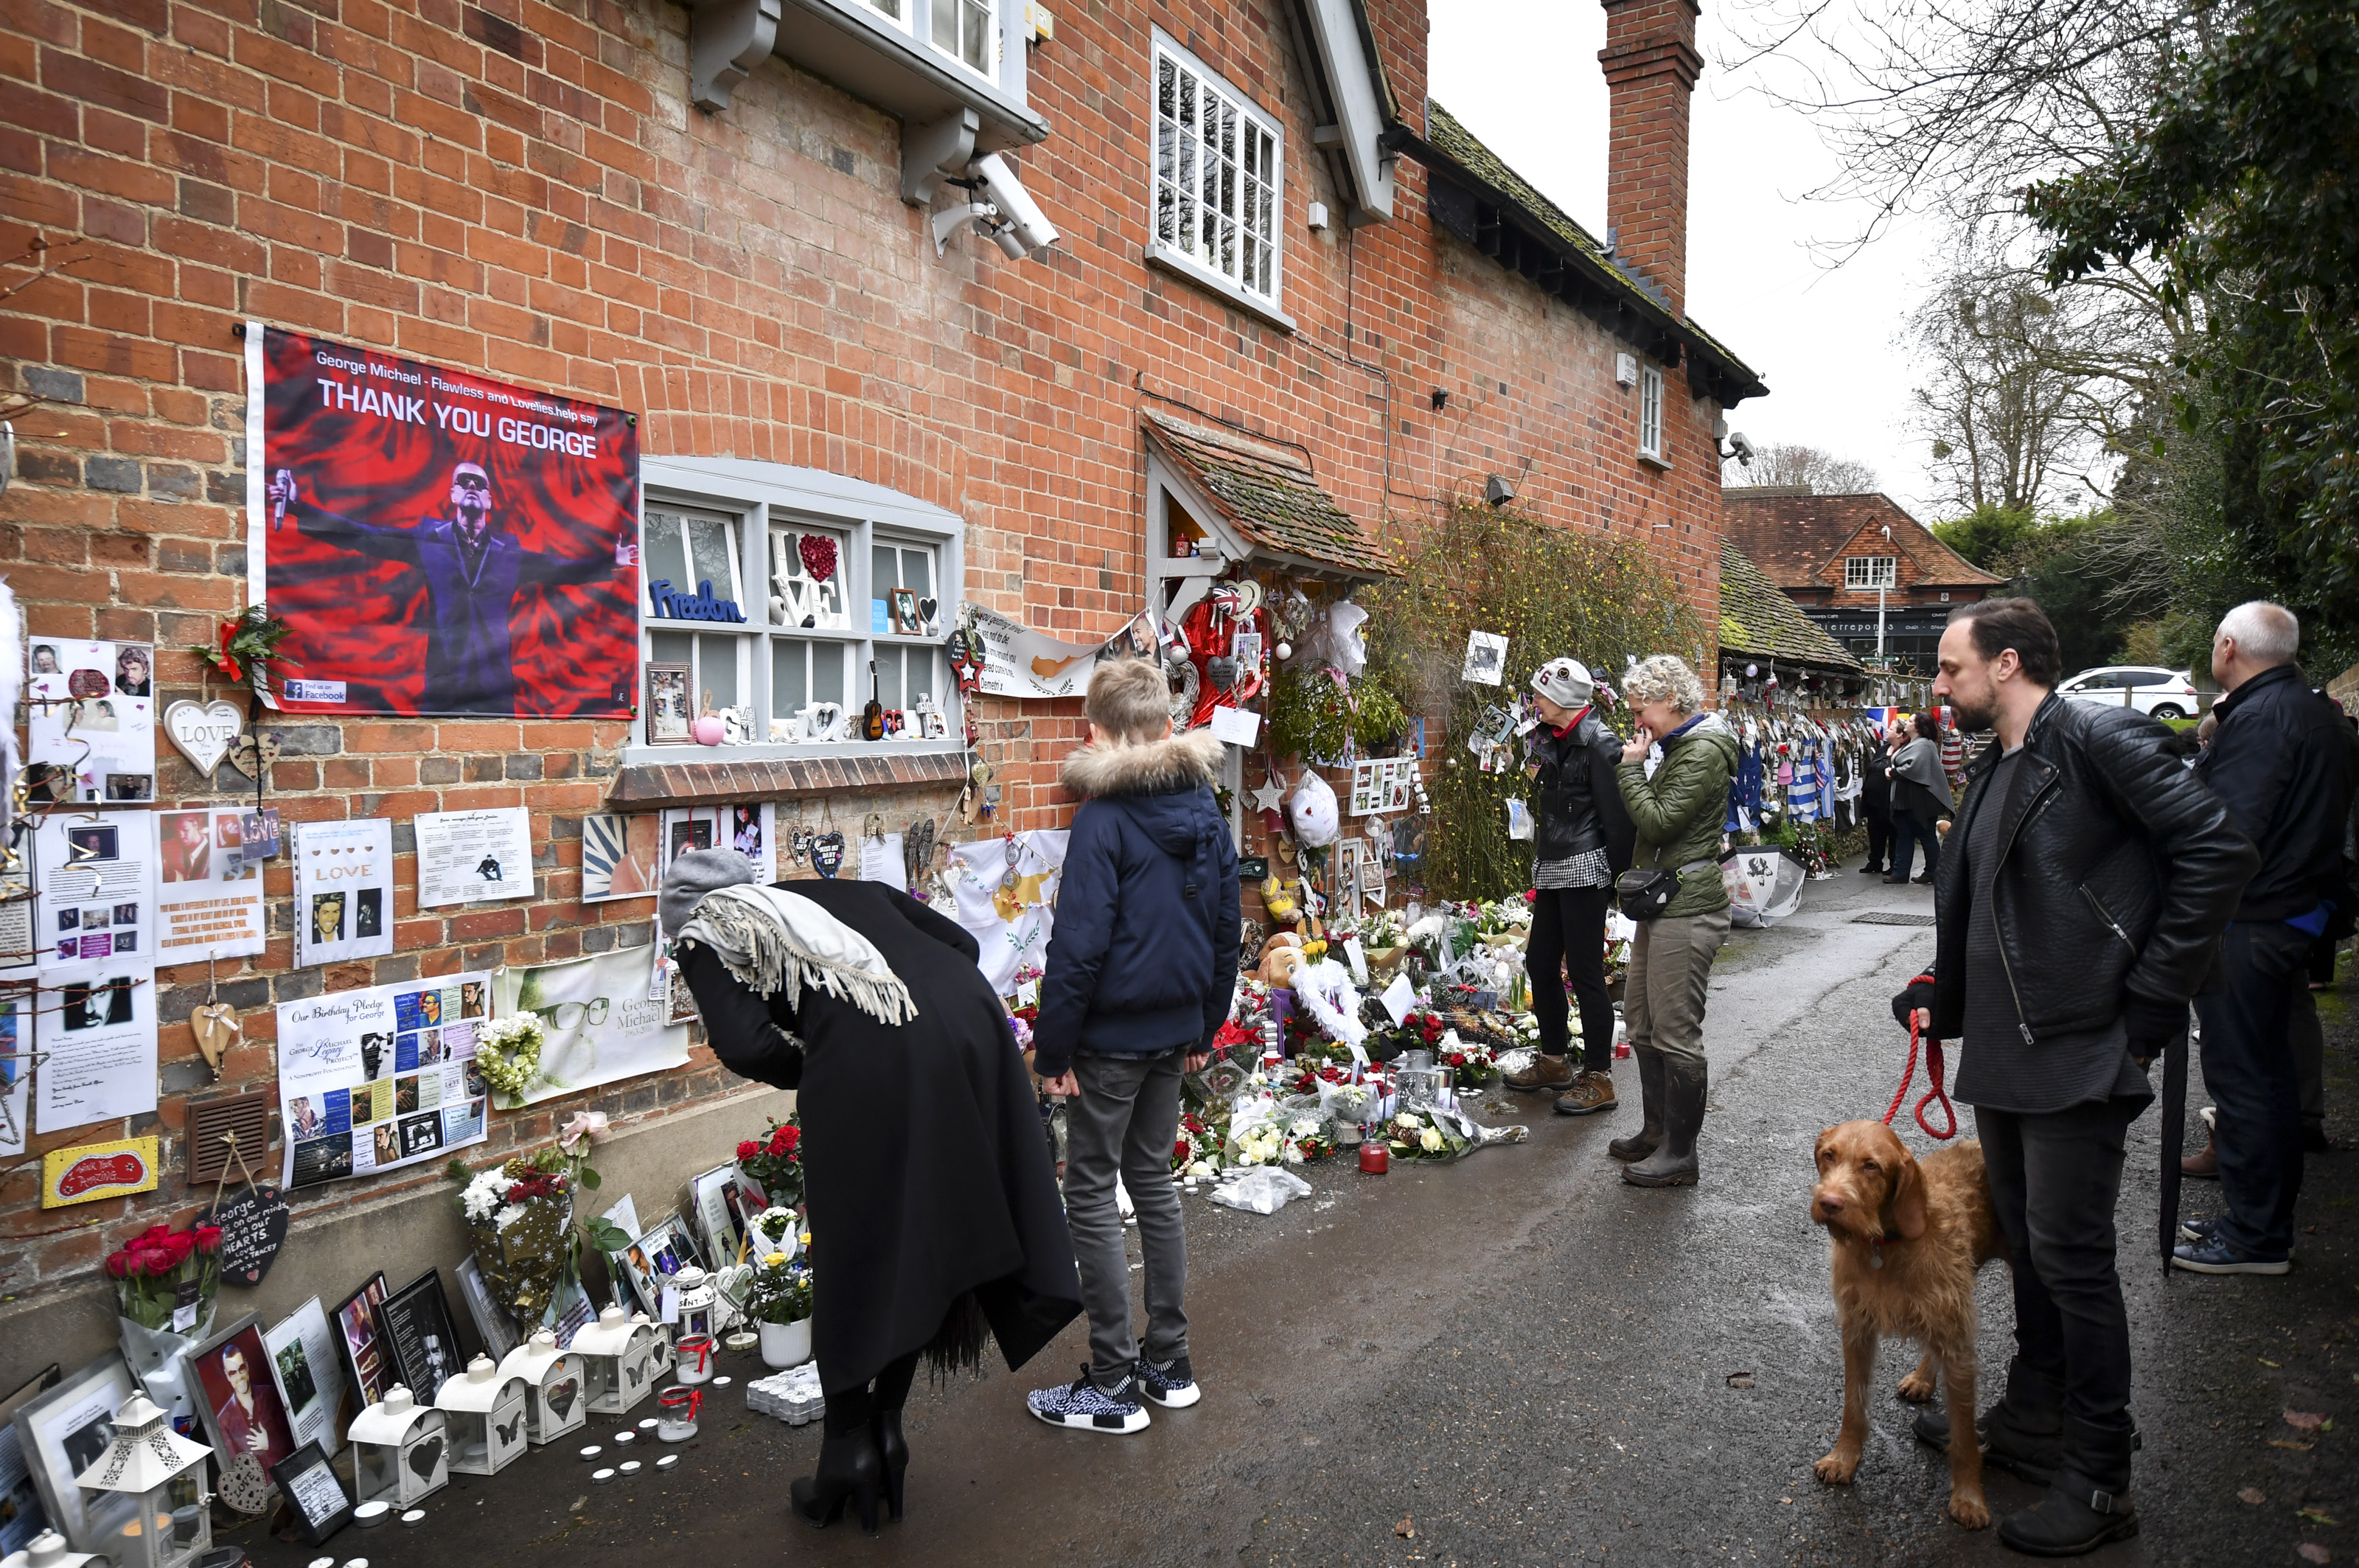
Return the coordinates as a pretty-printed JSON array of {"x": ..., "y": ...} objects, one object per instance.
[
  {"x": 1830, "y": 552},
  {"x": 724, "y": 219}
]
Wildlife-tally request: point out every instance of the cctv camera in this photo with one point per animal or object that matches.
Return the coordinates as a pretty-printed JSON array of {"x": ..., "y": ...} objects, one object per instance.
[
  {"x": 1028, "y": 226},
  {"x": 1742, "y": 448}
]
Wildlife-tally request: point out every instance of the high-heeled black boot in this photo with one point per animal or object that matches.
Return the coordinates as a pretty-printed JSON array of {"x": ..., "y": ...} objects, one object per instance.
[
  {"x": 894, "y": 1449},
  {"x": 850, "y": 1468}
]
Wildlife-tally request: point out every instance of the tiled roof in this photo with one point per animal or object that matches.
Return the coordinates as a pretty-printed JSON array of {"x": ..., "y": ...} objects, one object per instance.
[
  {"x": 1271, "y": 500},
  {"x": 1758, "y": 620},
  {"x": 1795, "y": 537},
  {"x": 1449, "y": 141}
]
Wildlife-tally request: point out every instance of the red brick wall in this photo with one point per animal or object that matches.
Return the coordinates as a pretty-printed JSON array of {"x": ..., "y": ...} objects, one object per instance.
[
  {"x": 521, "y": 189},
  {"x": 1651, "y": 63}
]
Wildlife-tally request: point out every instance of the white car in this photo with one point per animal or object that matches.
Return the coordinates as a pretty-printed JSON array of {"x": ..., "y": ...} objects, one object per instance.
[{"x": 2164, "y": 694}]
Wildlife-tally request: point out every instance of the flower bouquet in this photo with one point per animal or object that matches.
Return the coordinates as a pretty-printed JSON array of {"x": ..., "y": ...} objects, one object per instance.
[
  {"x": 165, "y": 1281},
  {"x": 1473, "y": 1063},
  {"x": 782, "y": 1289},
  {"x": 520, "y": 1217},
  {"x": 508, "y": 1054},
  {"x": 1268, "y": 1134},
  {"x": 773, "y": 1162},
  {"x": 1201, "y": 1148},
  {"x": 1424, "y": 1135}
]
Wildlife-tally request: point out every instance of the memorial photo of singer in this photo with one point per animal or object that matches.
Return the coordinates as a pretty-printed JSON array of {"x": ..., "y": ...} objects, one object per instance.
[{"x": 439, "y": 543}]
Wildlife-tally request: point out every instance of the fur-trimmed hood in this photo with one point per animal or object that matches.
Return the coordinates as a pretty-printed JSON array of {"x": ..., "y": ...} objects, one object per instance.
[{"x": 1167, "y": 766}]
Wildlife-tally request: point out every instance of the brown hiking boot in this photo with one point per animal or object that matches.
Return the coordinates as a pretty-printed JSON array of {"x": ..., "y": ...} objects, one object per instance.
[
  {"x": 1545, "y": 1073},
  {"x": 1591, "y": 1093}
]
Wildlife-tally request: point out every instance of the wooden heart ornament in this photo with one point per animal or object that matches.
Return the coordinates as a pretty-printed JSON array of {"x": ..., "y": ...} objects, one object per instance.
[
  {"x": 204, "y": 734},
  {"x": 216, "y": 1027}
]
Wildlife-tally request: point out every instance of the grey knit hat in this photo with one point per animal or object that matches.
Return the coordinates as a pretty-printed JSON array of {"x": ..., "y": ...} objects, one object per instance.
[
  {"x": 1564, "y": 682},
  {"x": 691, "y": 876}
]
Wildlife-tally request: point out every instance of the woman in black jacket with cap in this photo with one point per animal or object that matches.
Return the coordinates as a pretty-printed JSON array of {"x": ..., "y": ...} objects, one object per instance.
[
  {"x": 934, "y": 1210},
  {"x": 1583, "y": 839}
]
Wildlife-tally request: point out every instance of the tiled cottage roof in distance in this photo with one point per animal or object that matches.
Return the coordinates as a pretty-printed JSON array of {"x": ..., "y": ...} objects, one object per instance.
[
  {"x": 1758, "y": 620},
  {"x": 1795, "y": 536},
  {"x": 1267, "y": 492}
]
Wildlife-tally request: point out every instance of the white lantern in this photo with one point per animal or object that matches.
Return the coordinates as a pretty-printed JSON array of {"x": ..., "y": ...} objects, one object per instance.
[
  {"x": 555, "y": 1399},
  {"x": 485, "y": 1410},
  {"x": 621, "y": 1359},
  {"x": 165, "y": 1474},
  {"x": 698, "y": 1296},
  {"x": 401, "y": 1450},
  {"x": 49, "y": 1550}
]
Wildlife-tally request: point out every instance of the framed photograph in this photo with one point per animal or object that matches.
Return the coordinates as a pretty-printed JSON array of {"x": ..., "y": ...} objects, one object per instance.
[
  {"x": 619, "y": 856},
  {"x": 310, "y": 1374},
  {"x": 679, "y": 1002},
  {"x": 60, "y": 1433},
  {"x": 719, "y": 1214},
  {"x": 312, "y": 1488},
  {"x": 22, "y": 1517},
  {"x": 493, "y": 1325},
  {"x": 669, "y": 706},
  {"x": 1486, "y": 659},
  {"x": 907, "y": 621},
  {"x": 419, "y": 1341},
  {"x": 663, "y": 1248},
  {"x": 366, "y": 1373},
  {"x": 237, "y": 1396}
]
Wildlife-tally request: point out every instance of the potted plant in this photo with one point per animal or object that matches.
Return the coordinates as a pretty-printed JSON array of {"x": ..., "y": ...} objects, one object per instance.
[
  {"x": 781, "y": 1305},
  {"x": 773, "y": 1162}
]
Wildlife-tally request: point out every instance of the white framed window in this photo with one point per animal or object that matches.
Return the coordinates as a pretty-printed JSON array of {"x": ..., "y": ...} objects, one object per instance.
[
  {"x": 776, "y": 563},
  {"x": 966, "y": 30},
  {"x": 1218, "y": 178},
  {"x": 902, "y": 13},
  {"x": 1650, "y": 412},
  {"x": 1862, "y": 573}
]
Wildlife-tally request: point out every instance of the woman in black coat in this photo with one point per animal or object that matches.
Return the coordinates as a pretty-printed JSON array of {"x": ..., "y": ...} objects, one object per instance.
[
  {"x": 1876, "y": 803},
  {"x": 933, "y": 1207}
]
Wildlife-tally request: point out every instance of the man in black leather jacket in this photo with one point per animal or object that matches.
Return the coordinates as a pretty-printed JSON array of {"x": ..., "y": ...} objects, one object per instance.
[
  {"x": 2282, "y": 765},
  {"x": 1582, "y": 840},
  {"x": 2088, "y": 878}
]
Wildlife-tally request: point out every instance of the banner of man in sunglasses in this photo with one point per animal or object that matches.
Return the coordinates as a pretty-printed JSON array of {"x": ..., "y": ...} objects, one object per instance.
[{"x": 438, "y": 542}]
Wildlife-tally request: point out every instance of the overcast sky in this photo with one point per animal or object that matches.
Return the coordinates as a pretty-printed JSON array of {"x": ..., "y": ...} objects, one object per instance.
[{"x": 1523, "y": 76}]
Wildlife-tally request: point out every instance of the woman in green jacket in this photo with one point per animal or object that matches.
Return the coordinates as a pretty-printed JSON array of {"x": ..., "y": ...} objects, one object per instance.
[{"x": 1679, "y": 814}]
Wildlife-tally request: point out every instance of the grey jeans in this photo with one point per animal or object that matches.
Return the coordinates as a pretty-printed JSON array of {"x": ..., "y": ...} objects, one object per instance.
[
  {"x": 1126, "y": 1119},
  {"x": 1662, "y": 1000}
]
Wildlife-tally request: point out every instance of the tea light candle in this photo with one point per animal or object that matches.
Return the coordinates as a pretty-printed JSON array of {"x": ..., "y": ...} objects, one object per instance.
[
  {"x": 630, "y": 1466},
  {"x": 369, "y": 1515},
  {"x": 649, "y": 1424},
  {"x": 667, "y": 1461},
  {"x": 1376, "y": 1158},
  {"x": 592, "y": 1452},
  {"x": 414, "y": 1518},
  {"x": 720, "y": 1382},
  {"x": 625, "y": 1439},
  {"x": 323, "y": 1562},
  {"x": 600, "y": 1477}
]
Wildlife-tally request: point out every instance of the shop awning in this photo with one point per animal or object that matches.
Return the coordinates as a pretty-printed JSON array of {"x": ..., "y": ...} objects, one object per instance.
[{"x": 1264, "y": 496}]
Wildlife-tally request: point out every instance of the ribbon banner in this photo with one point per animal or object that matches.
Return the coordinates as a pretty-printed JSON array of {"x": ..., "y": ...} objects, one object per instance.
[
  {"x": 1021, "y": 662},
  {"x": 438, "y": 542}
]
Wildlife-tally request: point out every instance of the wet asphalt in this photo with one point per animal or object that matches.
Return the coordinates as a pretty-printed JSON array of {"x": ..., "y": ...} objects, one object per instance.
[{"x": 1518, "y": 1359}]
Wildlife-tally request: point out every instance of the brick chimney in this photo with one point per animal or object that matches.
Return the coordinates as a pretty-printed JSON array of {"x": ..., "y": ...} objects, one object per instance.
[{"x": 1651, "y": 65}]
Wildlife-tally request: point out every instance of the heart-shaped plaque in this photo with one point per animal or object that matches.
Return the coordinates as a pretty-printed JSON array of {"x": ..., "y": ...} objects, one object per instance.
[
  {"x": 561, "y": 1397},
  {"x": 424, "y": 1455},
  {"x": 254, "y": 1227},
  {"x": 216, "y": 1027},
  {"x": 204, "y": 734}
]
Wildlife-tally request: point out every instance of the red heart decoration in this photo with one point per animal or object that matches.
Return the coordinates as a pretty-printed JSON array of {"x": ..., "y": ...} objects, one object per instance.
[{"x": 818, "y": 552}]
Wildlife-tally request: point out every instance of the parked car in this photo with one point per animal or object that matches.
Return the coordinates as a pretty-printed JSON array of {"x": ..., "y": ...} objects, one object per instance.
[{"x": 2166, "y": 694}]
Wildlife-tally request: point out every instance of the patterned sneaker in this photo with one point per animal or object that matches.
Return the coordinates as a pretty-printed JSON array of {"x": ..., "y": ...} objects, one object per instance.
[
  {"x": 2214, "y": 1255},
  {"x": 2196, "y": 1230},
  {"x": 1083, "y": 1405},
  {"x": 1173, "y": 1386}
]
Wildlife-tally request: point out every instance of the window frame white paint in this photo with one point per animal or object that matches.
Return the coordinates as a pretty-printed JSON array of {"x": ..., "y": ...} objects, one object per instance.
[
  {"x": 992, "y": 32},
  {"x": 1650, "y": 412},
  {"x": 1866, "y": 573},
  {"x": 759, "y": 498},
  {"x": 1268, "y": 304}
]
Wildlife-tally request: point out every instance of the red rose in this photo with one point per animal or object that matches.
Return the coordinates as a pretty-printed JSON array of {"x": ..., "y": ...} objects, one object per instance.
[
  {"x": 151, "y": 1261},
  {"x": 789, "y": 1137},
  {"x": 153, "y": 1234},
  {"x": 118, "y": 1264},
  {"x": 1457, "y": 1059},
  {"x": 207, "y": 1236},
  {"x": 178, "y": 1246},
  {"x": 1180, "y": 1150},
  {"x": 747, "y": 1149}
]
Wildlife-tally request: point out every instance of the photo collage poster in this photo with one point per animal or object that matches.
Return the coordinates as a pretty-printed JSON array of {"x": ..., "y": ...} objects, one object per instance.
[
  {"x": 90, "y": 708},
  {"x": 344, "y": 891},
  {"x": 96, "y": 871},
  {"x": 207, "y": 886},
  {"x": 375, "y": 1079}
]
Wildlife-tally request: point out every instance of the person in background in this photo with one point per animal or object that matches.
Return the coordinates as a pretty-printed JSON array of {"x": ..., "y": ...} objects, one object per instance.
[
  {"x": 1876, "y": 803},
  {"x": 1677, "y": 814},
  {"x": 2087, "y": 882},
  {"x": 1581, "y": 842},
  {"x": 2283, "y": 765},
  {"x": 1920, "y": 798},
  {"x": 1950, "y": 737},
  {"x": 1139, "y": 976}
]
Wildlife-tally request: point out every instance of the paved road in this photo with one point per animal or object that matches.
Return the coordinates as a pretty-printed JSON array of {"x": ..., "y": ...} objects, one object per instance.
[{"x": 1529, "y": 1362}]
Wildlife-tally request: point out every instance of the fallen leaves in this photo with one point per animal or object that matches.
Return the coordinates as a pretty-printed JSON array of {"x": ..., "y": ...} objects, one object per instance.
[
  {"x": 2311, "y": 1552},
  {"x": 2265, "y": 1361},
  {"x": 2288, "y": 1442},
  {"x": 1740, "y": 1379},
  {"x": 2304, "y": 1421},
  {"x": 2318, "y": 1516},
  {"x": 2254, "y": 1495},
  {"x": 1406, "y": 1528}
]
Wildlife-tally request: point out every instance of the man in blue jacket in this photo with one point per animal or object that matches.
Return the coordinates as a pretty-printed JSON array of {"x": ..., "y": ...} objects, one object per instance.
[
  {"x": 1140, "y": 970},
  {"x": 2282, "y": 765}
]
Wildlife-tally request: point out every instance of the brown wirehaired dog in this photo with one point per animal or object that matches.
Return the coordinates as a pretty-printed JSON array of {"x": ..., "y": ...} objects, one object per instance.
[{"x": 1909, "y": 1237}]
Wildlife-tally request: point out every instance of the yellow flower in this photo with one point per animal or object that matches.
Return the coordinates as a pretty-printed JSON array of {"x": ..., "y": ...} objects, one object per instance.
[
  {"x": 1430, "y": 1140},
  {"x": 775, "y": 1260}
]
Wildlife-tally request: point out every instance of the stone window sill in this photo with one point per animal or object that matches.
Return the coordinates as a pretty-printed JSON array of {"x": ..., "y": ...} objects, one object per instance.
[{"x": 654, "y": 776}]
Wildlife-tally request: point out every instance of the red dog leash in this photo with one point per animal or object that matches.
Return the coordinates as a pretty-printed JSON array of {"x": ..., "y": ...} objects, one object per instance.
[{"x": 1933, "y": 1070}]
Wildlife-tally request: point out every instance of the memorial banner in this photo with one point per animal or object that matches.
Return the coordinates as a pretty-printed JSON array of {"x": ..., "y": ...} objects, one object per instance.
[
  {"x": 598, "y": 1020},
  {"x": 1021, "y": 662},
  {"x": 438, "y": 542}
]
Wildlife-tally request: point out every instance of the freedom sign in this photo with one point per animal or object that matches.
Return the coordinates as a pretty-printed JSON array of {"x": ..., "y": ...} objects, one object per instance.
[{"x": 438, "y": 542}]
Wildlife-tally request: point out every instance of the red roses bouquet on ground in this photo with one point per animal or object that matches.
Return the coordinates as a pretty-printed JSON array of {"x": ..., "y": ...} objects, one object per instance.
[
  {"x": 162, "y": 1271},
  {"x": 773, "y": 1162}
]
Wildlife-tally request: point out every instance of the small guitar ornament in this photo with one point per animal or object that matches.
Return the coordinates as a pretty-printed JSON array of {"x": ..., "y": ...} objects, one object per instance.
[{"x": 872, "y": 718}]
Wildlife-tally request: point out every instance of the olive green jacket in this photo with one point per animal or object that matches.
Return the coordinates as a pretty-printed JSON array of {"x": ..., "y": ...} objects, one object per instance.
[{"x": 1680, "y": 811}]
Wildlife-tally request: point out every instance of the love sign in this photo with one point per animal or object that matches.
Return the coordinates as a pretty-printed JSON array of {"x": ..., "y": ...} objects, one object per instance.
[
  {"x": 254, "y": 1227},
  {"x": 204, "y": 734}
]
